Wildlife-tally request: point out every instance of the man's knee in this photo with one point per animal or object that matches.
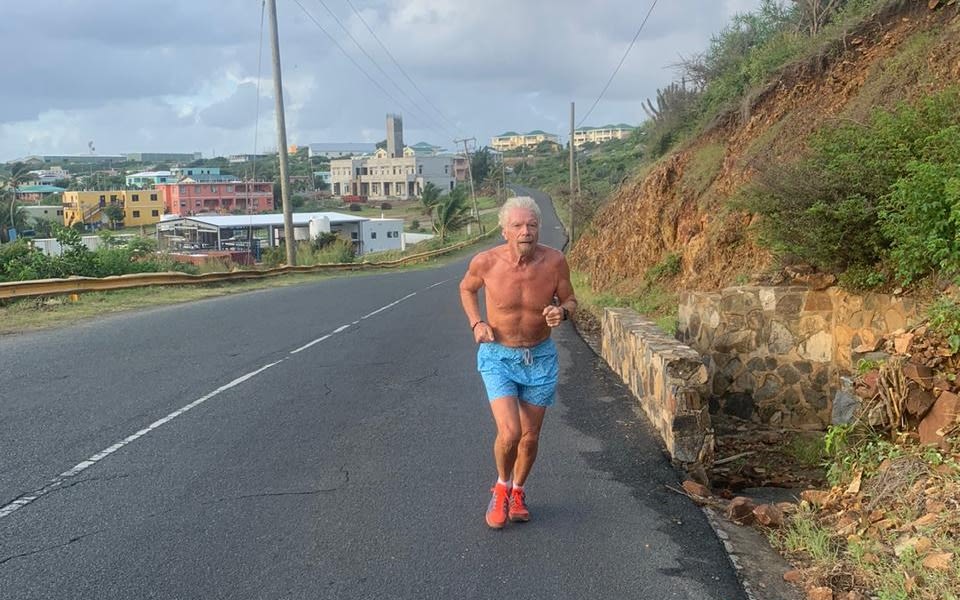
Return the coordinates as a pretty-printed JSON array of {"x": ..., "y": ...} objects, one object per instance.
[
  {"x": 509, "y": 437},
  {"x": 529, "y": 440}
]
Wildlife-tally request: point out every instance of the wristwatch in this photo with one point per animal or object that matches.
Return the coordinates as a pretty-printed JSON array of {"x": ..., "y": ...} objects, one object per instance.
[{"x": 566, "y": 313}]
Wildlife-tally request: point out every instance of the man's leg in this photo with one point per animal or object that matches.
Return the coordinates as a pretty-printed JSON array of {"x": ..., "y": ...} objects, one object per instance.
[
  {"x": 531, "y": 420},
  {"x": 506, "y": 415}
]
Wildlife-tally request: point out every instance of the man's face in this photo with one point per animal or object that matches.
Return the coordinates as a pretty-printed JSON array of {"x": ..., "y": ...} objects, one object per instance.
[{"x": 522, "y": 230}]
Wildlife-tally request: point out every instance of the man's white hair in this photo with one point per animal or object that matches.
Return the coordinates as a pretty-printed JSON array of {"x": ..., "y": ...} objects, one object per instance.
[{"x": 524, "y": 202}]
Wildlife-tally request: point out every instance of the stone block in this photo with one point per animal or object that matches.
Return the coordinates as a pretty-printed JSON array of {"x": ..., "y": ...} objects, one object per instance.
[
  {"x": 740, "y": 510},
  {"x": 818, "y": 301},
  {"x": 739, "y": 300},
  {"x": 739, "y": 404},
  {"x": 740, "y": 342},
  {"x": 789, "y": 305},
  {"x": 780, "y": 339},
  {"x": 788, "y": 375},
  {"x": 845, "y": 406},
  {"x": 944, "y": 412},
  {"x": 919, "y": 400},
  {"x": 818, "y": 347}
]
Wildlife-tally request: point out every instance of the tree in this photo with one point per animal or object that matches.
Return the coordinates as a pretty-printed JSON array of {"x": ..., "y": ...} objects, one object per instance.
[
  {"x": 814, "y": 14},
  {"x": 18, "y": 174},
  {"x": 114, "y": 212},
  {"x": 480, "y": 164},
  {"x": 451, "y": 213},
  {"x": 429, "y": 198}
]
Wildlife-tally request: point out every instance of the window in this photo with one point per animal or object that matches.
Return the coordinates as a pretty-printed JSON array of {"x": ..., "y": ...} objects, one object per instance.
[
  {"x": 419, "y": 169},
  {"x": 136, "y": 214},
  {"x": 153, "y": 197},
  {"x": 154, "y": 213},
  {"x": 135, "y": 198},
  {"x": 373, "y": 235},
  {"x": 103, "y": 198},
  {"x": 113, "y": 197},
  {"x": 353, "y": 235},
  {"x": 213, "y": 189}
]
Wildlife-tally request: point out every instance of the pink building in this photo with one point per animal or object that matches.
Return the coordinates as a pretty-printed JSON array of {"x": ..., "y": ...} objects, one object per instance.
[{"x": 222, "y": 198}]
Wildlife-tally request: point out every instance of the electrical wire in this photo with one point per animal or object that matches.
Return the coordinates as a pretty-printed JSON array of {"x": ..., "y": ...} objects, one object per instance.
[
  {"x": 400, "y": 68},
  {"x": 352, "y": 60},
  {"x": 617, "y": 70},
  {"x": 423, "y": 114}
]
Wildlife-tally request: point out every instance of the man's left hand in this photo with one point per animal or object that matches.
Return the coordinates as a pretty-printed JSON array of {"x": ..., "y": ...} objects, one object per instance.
[{"x": 553, "y": 315}]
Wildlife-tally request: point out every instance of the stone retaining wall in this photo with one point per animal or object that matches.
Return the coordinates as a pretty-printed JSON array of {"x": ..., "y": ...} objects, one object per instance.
[
  {"x": 776, "y": 354},
  {"x": 668, "y": 379}
]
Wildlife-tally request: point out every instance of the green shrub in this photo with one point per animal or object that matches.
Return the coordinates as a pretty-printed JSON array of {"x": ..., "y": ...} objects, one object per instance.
[
  {"x": 921, "y": 215},
  {"x": 885, "y": 188},
  {"x": 944, "y": 317},
  {"x": 668, "y": 267}
]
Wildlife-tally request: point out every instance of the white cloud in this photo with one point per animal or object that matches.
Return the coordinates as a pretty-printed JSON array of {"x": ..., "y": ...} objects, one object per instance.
[{"x": 183, "y": 78}]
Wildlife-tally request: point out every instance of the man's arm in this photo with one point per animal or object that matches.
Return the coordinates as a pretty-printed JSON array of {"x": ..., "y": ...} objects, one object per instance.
[
  {"x": 469, "y": 288},
  {"x": 567, "y": 301}
]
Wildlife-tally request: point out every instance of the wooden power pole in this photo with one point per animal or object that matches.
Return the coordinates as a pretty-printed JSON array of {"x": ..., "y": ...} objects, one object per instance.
[
  {"x": 473, "y": 192},
  {"x": 572, "y": 172},
  {"x": 288, "y": 236}
]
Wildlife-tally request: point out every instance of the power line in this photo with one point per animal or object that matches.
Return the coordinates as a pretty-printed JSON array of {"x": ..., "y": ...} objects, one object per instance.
[
  {"x": 617, "y": 70},
  {"x": 351, "y": 59},
  {"x": 399, "y": 67},
  {"x": 376, "y": 64}
]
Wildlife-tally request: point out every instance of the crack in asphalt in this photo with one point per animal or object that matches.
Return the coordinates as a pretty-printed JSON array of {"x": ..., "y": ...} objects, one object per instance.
[
  {"x": 436, "y": 373},
  {"x": 53, "y": 547},
  {"x": 342, "y": 470}
]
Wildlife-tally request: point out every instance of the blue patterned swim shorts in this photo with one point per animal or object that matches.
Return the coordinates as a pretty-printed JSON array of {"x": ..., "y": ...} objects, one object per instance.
[{"x": 529, "y": 374}]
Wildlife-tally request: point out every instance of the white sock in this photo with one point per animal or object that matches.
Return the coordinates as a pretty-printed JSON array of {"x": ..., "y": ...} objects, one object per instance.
[
  {"x": 519, "y": 488},
  {"x": 508, "y": 483}
]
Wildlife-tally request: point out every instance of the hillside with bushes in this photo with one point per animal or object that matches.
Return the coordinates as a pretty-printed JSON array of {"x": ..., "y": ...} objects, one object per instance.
[{"x": 831, "y": 143}]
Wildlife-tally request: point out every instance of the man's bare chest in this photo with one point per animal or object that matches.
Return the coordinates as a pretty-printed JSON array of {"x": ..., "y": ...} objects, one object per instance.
[{"x": 517, "y": 288}]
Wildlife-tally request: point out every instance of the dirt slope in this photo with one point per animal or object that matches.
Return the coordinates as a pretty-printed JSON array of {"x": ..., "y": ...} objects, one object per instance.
[{"x": 682, "y": 205}]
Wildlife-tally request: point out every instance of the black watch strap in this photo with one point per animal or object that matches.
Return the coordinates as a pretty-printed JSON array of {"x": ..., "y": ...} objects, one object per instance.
[{"x": 566, "y": 313}]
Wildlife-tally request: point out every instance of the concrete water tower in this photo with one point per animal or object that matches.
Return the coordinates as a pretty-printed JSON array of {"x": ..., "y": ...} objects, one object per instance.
[{"x": 394, "y": 136}]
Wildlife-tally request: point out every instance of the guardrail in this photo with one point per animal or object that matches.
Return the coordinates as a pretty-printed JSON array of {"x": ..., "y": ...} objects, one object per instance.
[{"x": 75, "y": 285}]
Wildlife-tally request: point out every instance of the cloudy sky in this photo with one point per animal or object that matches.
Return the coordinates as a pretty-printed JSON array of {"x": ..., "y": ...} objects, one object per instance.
[{"x": 182, "y": 75}]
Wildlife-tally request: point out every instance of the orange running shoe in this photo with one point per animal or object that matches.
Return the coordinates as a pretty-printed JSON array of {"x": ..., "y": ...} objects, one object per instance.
[
  {"x": 518, "y": 506},
  {"x": 497, "y": 509}
]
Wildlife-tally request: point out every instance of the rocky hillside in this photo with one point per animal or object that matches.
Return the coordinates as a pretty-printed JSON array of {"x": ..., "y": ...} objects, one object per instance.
[{"x": 686, "y": 205}]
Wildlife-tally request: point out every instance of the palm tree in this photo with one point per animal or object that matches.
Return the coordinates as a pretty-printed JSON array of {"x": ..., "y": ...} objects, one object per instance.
[
  {"x": 429, "y": 197},
  {"x": 18, "y": 174},
  {"x": 451, "y": 213}
]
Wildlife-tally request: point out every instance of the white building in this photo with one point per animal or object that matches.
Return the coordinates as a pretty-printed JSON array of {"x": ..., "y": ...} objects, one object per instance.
[
  {"x": 339, "y": 150},
  {"x": 43, "y": 213},
  {"x": 381, "y": 176},
  {"x": 240, "y": 232}
]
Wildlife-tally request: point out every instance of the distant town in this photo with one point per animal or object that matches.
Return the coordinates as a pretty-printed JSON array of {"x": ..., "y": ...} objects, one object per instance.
[{"x": 135, "y": 190}]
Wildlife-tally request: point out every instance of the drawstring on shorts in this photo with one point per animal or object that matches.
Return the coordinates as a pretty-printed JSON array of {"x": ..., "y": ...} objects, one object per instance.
[{"x": 527, "y": 357}]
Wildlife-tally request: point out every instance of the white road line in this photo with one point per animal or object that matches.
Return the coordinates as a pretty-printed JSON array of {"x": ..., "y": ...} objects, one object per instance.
[
  {"x": 316, "y": 341},
  {"x": 392, "y": 304},
  {"x": 83, "y": 466},
  {"x": 438, "y": 283},
  {"x": 60, "y": 479}
]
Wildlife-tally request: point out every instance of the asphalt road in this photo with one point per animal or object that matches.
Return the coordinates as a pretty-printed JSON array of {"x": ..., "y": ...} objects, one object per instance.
[{"x": 330, "y": 440}]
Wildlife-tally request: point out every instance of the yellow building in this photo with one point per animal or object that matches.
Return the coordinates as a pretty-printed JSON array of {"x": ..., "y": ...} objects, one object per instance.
[
  {"x": 140, "y": 207},
  {"x": 599, "y": 135},
  {"x": 512, "y": 140}
]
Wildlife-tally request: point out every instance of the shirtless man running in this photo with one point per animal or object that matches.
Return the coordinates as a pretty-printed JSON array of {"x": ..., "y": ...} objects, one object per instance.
[{"x": 528, "y": 291}]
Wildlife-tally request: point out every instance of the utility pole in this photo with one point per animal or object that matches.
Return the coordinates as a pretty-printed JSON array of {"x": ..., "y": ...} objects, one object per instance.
[
  {"x": 572, "y": 172},
  {"x": 281, "y": 138},
  {"x": 503, "y": 177},
  {"x": 473, "y": 193}
]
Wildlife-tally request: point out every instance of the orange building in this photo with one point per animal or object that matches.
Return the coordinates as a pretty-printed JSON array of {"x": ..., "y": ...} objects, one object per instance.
[{"x": 222, "y": 198}]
